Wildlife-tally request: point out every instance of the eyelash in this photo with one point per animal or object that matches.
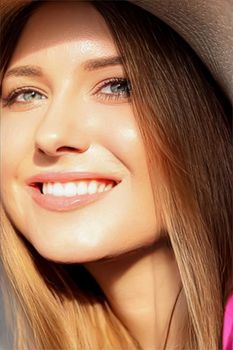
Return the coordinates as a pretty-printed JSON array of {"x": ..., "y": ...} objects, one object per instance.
[{"x": 11, "y": 98}]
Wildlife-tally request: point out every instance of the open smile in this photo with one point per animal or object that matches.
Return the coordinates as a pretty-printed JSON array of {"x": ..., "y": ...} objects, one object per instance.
[{"x": 66, "y": 196}]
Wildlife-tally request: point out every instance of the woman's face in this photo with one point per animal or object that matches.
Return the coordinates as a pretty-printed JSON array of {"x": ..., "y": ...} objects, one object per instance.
[{"x": 71, "y": 118}]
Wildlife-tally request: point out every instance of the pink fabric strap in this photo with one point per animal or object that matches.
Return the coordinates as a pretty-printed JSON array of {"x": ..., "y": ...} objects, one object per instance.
[{"x": 228, "y": 325}]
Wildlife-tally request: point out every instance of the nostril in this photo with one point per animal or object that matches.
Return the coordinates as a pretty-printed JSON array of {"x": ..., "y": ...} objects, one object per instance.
[{"x": 67, "y": 148}]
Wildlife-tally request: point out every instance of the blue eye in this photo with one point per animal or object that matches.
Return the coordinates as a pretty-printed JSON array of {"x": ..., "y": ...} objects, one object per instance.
[
  {"x": 116, "y": 88},
  {"x": 112, "y": 89},
  {"x": 22, "y": 95},
  {"x": 28, "y": 96}
]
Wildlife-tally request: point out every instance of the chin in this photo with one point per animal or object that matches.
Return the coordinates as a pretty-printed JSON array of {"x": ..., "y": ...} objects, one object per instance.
[{"x": 67, "y": 255}]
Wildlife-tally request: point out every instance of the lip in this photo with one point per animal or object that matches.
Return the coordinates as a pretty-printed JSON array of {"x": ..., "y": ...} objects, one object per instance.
[
  {"x": 69, "y": 176},
  {"x": 63, "y": 203}
]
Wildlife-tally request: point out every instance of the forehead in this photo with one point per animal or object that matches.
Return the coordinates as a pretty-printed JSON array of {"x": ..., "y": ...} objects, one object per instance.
[{"x": 73, "y": 24}]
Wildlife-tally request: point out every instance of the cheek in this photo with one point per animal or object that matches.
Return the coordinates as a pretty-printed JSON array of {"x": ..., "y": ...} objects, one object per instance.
[
  {"x": 14, "y": 144},
  {"x": 122, "y": 137}
]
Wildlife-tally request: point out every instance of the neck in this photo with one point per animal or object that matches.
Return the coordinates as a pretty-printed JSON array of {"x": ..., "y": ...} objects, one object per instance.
[{"x": 142, "y": 288}]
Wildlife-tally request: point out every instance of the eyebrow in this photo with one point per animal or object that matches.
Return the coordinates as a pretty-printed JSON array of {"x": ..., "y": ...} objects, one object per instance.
[
  {"x": 89, "y": 65},
  {"x": 93, "y": 64},
  {"x": 24, "y": 71}
]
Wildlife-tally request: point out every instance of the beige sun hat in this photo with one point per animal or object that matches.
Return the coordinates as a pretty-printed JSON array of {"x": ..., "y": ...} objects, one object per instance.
[{"x": 207, "y": 26}]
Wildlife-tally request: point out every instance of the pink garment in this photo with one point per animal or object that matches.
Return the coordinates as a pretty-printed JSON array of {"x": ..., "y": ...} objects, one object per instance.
[{"x": 228, "y": 325}]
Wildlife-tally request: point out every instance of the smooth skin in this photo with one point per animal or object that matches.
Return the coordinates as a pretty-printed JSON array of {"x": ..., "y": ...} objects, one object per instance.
[{"x": 69, "y": 121}]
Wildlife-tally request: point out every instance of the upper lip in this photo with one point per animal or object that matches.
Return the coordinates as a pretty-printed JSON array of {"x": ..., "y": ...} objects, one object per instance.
[{"x": 69, "y": 176}]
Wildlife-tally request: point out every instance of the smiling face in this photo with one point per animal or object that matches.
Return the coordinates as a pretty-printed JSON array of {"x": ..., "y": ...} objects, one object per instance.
[{"x": 65, "y": 113}]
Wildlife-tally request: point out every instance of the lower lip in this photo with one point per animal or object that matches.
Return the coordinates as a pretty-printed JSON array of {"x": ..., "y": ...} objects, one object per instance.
[{"x": 62, "y": 203}]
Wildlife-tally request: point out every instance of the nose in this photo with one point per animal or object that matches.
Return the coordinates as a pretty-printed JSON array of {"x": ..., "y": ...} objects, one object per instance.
[{"x": 62, "y": 129}]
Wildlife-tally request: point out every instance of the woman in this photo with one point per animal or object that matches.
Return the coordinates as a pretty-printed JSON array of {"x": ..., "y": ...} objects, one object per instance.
[{"x": 104, "y": 98}]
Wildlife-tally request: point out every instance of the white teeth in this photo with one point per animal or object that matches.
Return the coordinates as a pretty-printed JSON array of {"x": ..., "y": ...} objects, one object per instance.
[
  {"x": 50, "y": 188},
  {"x": 108, "y": 187},
  {"x": 92, "y": 187},
  {"x": 45, "y": 188},
  {"x": 71, "y": 189},
  {"x": 82, "y": 188},
  {"x": 101, "y": 187},
  {"x": 58, "y": 189}
]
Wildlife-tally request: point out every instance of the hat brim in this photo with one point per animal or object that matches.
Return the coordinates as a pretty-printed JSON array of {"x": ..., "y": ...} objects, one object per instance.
[{"x": 207, "y": 27}]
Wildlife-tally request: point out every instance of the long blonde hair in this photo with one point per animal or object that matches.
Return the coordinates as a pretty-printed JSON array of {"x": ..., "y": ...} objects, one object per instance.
[{"x": 184, "y": 119}]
